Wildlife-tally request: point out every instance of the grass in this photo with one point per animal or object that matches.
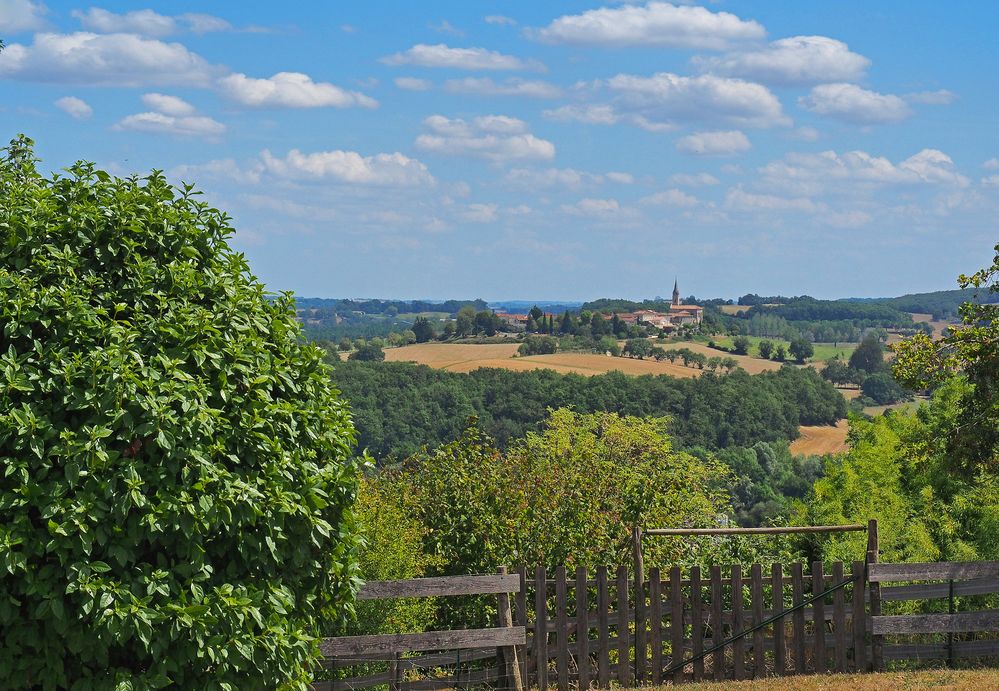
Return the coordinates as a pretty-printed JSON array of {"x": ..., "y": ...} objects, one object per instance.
[
  {"x": 823, "y": 351},
  {"x": 884, "y": 681}
]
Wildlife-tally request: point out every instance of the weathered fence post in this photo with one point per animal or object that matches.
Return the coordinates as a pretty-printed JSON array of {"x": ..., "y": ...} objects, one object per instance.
[
  {"x": 877, "y": 642},
  {"x": 859, "y": 618},
  {"x": 640, "y": 642},
  {"x": 509, "y": 666},
  {"x": 582, "y": 629},
  {"x": 541, "y": 625}
]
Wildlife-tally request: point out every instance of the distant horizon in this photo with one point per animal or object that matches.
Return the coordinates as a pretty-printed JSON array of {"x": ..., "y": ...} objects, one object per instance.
[{"x": 578, "y": 301}]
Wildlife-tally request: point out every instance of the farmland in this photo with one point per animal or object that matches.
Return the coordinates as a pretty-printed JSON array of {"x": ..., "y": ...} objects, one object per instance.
[
  {"x": 462, "y": 357},
  {"x": 819, "y": 440}
]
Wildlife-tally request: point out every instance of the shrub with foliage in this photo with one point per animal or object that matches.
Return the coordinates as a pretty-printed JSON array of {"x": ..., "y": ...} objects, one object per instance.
[
  {"x": 177, "y": 474},
  {"x": 538, "y": 345},
  {"x": 567, "y": 495}
]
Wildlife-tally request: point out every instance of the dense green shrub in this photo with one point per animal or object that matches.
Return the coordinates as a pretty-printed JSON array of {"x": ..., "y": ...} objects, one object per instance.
[{"x": 176, "y": 487}]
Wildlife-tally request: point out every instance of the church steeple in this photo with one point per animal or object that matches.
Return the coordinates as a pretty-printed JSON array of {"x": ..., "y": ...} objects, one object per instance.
[{"x": 676, "y": 293}]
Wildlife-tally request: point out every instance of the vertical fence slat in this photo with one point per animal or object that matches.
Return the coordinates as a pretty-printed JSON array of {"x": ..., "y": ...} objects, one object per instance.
[
  {"x": 582, "y": 629},
  {"x": 541, "y": 626},
  {"x": 697, "y": 621},
  {"x": 759, "y": 658},
  {"x": 873, "y": 548},
  {"x": 561, "y": 630},
  {"x": 798, "y": 618},
  {"x": 520, "y": 613},
  {"x": 603, "y": 622},
  {"x": 780, "y": 652},
  {"x": 859, "y": 618},
  {"x": 676, "y": 627},
  {"x": 738, "y": 625},
  {"x": 717, "y": 628},
  {"x": 641, "y": 649},
  {"x": 819, "y": 618},
  {"x": 839, "y": 618},
  {"x": 623, "y": 636},
  {"x": 656, "y": 595}
]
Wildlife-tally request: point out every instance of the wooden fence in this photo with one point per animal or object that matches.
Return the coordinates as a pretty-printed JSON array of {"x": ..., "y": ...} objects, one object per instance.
[
  {"x": 721, "y": 623},
  {"x": 937, "y": 635},
  {"x": 472, "y": 645},
  {"x": 655, "y": 626}
]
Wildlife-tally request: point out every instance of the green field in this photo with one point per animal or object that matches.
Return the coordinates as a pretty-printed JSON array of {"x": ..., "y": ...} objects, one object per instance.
[{"x": 823, "y": 351}]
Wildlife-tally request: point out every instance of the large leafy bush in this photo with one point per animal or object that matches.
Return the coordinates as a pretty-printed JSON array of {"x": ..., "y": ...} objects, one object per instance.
[{"x": 175, "y": 473}]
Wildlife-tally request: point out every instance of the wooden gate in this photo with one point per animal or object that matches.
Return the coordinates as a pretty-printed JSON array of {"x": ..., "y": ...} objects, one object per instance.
[{"x": 719, "y": 623}]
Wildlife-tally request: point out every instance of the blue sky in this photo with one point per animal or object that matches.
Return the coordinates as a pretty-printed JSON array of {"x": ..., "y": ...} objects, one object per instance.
[{"x": 557, "y": 150}]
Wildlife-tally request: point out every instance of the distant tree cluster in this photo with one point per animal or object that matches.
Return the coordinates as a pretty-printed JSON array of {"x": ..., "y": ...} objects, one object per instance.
[
  {"x": 400, "y": 407},
  {"x": 867, "y": 368}
]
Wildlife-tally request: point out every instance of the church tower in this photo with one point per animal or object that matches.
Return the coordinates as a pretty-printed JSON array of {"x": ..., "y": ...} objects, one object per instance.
[{"x": 676, "y": 294}]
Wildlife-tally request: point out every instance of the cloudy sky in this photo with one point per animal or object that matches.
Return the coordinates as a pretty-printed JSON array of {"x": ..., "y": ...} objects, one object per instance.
[{"x": 556, "y": 150}]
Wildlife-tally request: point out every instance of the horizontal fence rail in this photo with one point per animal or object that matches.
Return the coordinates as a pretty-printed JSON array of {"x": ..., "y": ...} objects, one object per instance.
[
  {"x": 394, "y": 651},
  {"x": 780, "y": 530},
  {"x": 441, "y": 586},
  {"x": 917, "y": 636}
]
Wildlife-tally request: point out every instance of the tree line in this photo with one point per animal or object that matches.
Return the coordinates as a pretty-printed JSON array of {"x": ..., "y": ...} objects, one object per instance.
[{"x": 400, "y": 407}]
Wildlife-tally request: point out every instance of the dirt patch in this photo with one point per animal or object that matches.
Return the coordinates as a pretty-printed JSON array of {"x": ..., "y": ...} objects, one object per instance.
[{"x": 820, "y": 440}]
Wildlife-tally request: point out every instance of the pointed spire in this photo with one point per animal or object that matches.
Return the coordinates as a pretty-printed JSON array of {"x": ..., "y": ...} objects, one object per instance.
[{"x": 676, "y": 292}]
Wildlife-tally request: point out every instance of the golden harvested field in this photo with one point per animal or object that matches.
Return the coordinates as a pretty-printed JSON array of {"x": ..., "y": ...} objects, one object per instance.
[
  {"x": 452, "y": 356},
  {"x": 733, "y": 309},
  {"x": 821, "y": 439},
  {"x": 465, "y": 357},
  {"x": 884, "y": 681},
  {"x": 938, "y": 325}
]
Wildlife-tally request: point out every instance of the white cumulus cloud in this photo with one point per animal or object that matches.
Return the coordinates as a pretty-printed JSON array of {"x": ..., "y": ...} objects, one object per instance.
[
  {"x": 671, "y": 197},
  {"x": 851, "y": 103},
  {"x": 290, "y": 90},
  {"x": 349, "y": 167},
  {"x": 148, "y": 23},
  {"x": 500, "y": 20},
  {"x": 791, "y": 61},
  {"x": 511, "y": 87},
  {"x": 75, "y": 107},
  {"x": 497, "y": 138},
  {"x": 929, "y": 166},
  {"x": 91, "y": 59},
  {"x": 693, "y": 179},
  {"x": 664, "y": 101},
  {"x": 413, "y": 83},
  {"x": 653, "y": 24},
  {"x": 738, "y": 199},
  {"x": 442, "y": 55},
  {"x": 940, "y": 97},
  {"x": 21, "y": 15},
  {"x": 160, "y": 123},
  {"x": 481, "y": 213},
  {"x": 168, "y": 105},
  {"x": 720, "y": 143}
]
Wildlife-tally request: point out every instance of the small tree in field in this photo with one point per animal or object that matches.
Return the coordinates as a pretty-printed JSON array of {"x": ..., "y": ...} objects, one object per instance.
[{"x": 175, "y": 506}]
